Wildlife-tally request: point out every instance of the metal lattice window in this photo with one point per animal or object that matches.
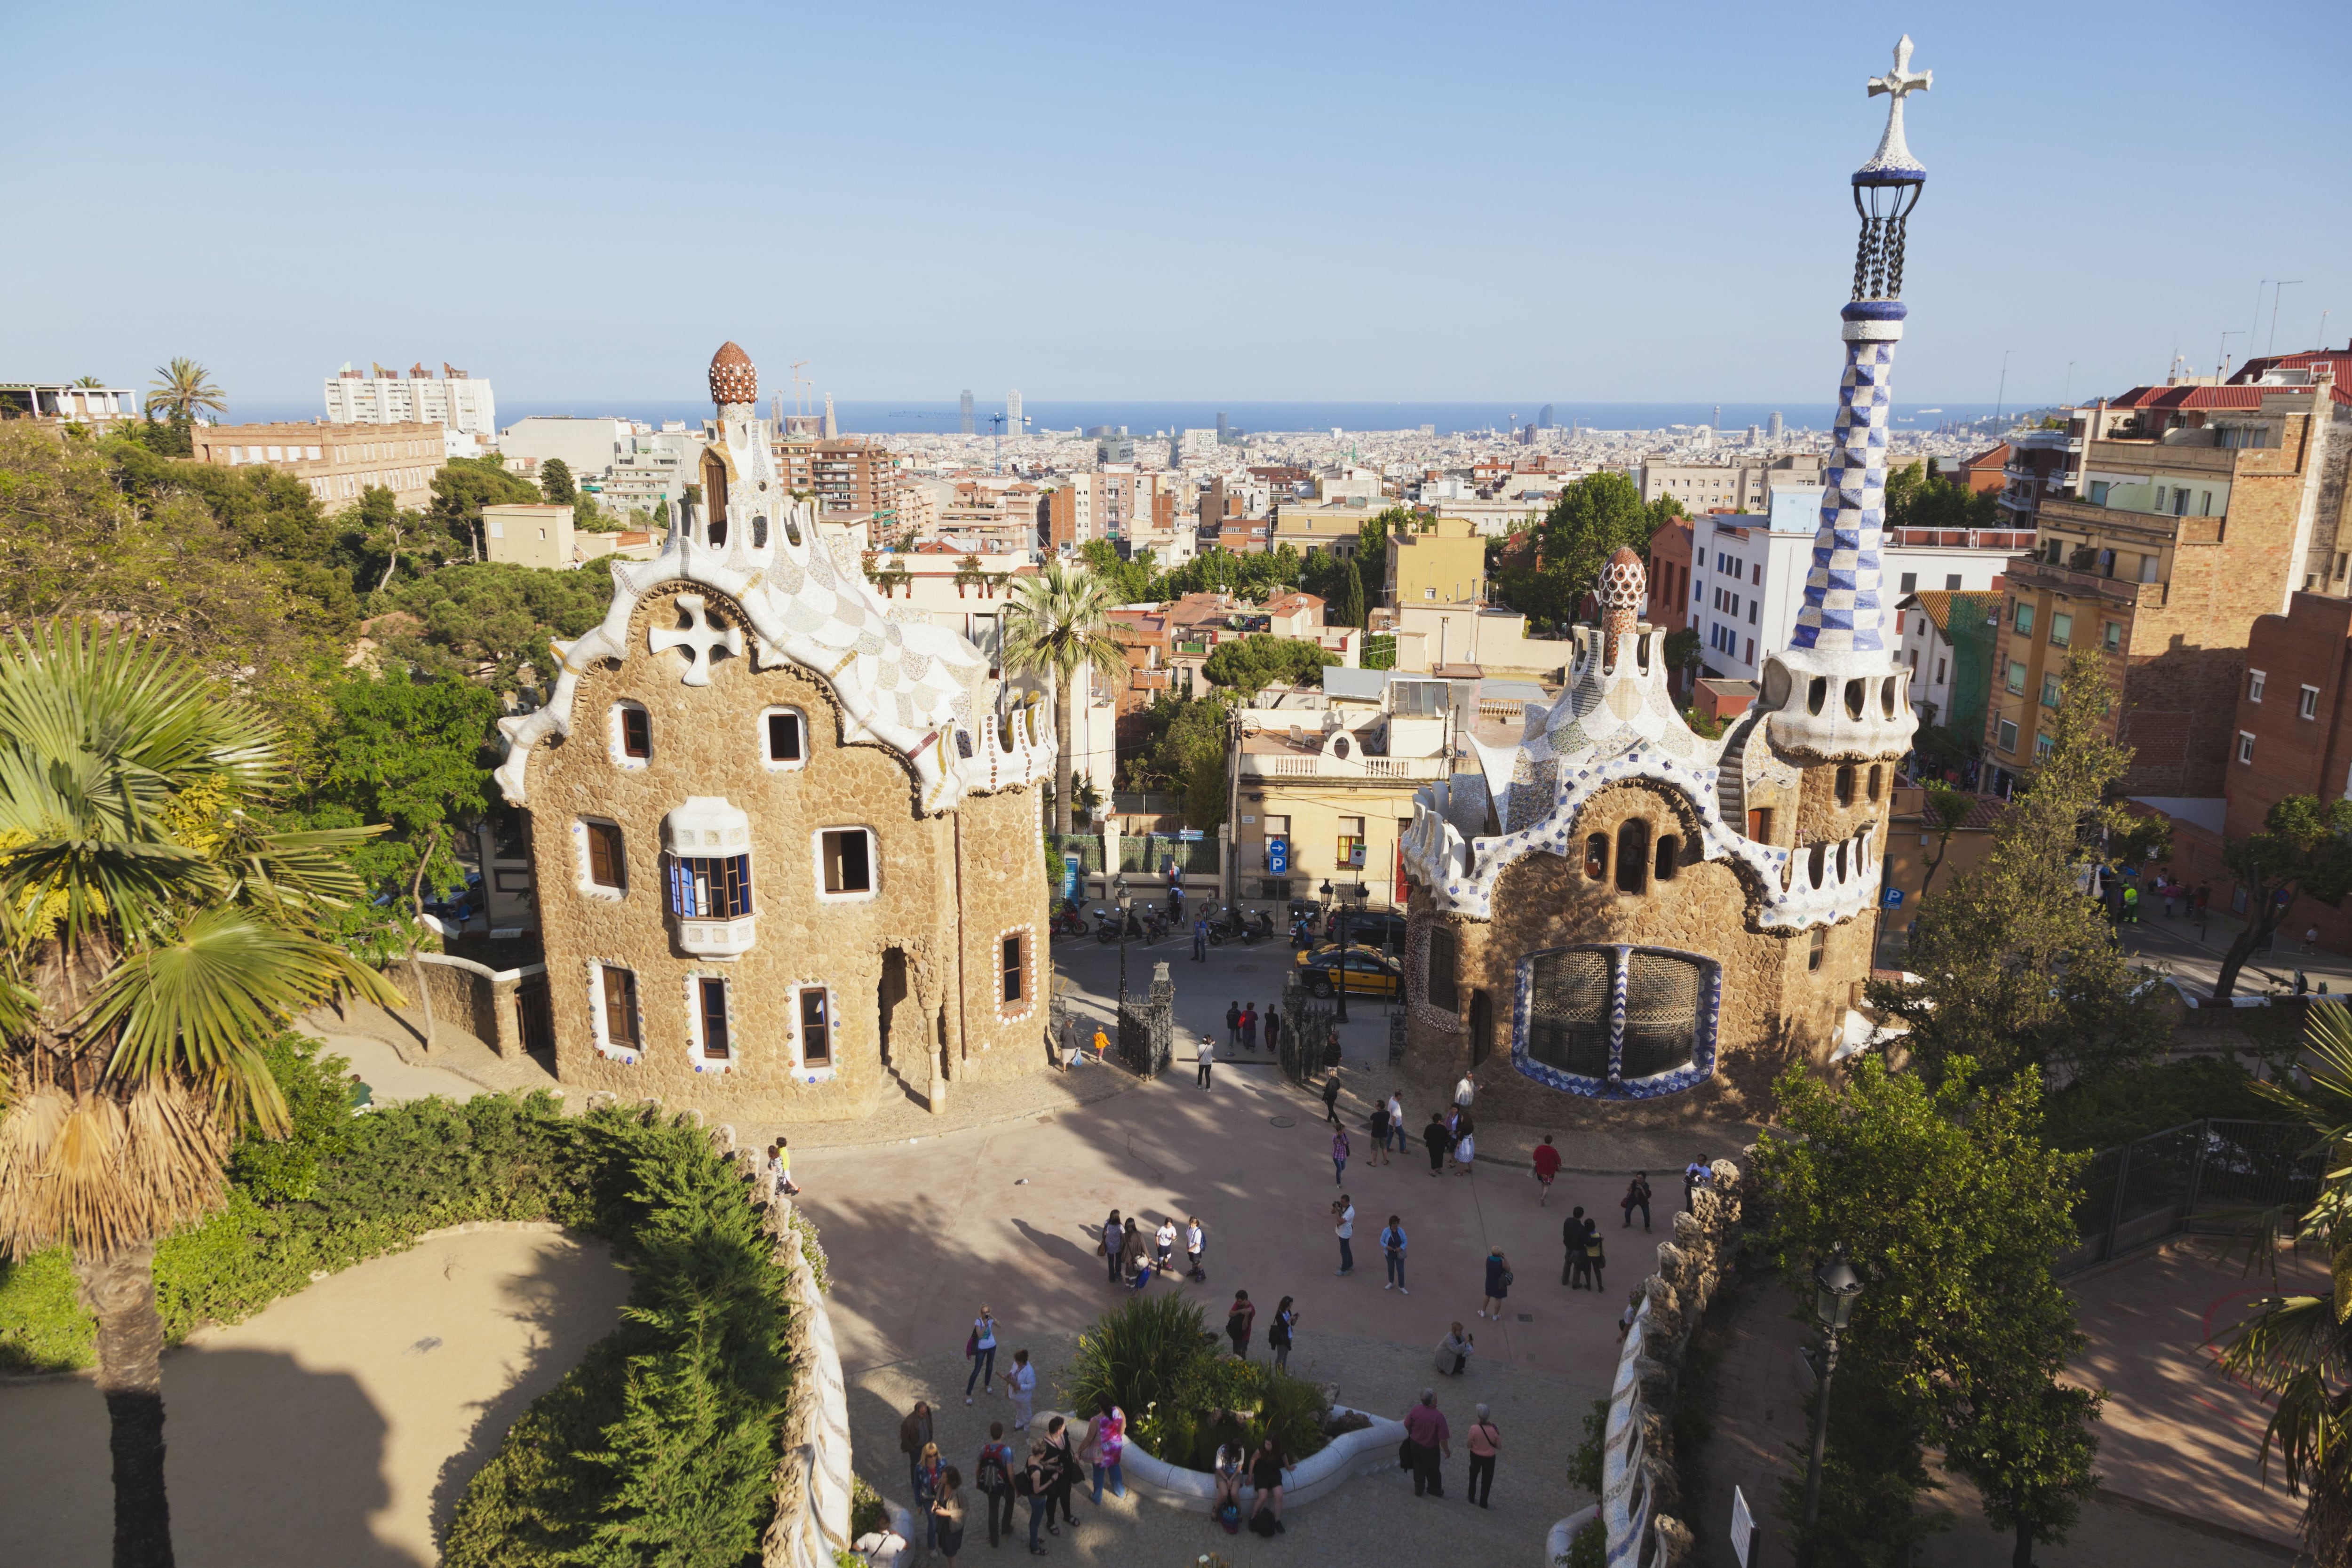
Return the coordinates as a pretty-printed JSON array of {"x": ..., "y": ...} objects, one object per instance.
[
  {"x": 1568, "y": 1011},
  {"x": 1662, "y": 1002}
]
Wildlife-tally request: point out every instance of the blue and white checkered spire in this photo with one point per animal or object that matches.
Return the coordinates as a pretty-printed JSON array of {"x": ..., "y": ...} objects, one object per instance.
[{"x": 1842, "y": 609}]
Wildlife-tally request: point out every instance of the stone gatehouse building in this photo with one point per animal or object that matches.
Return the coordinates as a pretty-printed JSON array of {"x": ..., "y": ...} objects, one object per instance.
[{"x": 786, "y": 854}]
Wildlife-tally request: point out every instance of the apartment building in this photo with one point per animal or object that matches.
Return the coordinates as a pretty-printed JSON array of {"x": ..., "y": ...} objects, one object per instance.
[
  {"x": 588, "y": 446},
  {"x": 848, "y": 475},
  {"x": 1116, "y": 502},
  {"x": 1442, "y": 561},
  {"x": 1307, "y": 526},
  {"x": 63, "y": 403},
  {"x": 2193, "y": 511},
  {"x": 454, "y": 400},
  {"x": 1947, "y": 645},
  {"x": 1669, "y": 576},
  {"x": 1729, "y": 487},
  {"x": 1749, "y": 571},
  {"x": 993, "y": 515},
  {"x": 337, "y": 461}
]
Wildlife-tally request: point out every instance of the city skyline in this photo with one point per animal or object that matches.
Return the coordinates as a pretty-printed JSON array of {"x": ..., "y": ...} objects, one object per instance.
[{"x": 1589, "y": 224}]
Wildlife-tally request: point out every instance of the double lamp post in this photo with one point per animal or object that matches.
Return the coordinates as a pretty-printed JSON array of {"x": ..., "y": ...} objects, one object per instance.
[{"x": 1836, "y": 1287}]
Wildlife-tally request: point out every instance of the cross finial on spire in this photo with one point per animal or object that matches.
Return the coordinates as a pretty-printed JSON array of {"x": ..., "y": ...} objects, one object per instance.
[{"x": 1897, "y": 85}]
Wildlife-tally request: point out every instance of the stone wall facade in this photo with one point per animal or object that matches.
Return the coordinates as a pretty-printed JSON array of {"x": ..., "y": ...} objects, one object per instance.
[
  {"x": 913, "y": 973},
  {"x": 472, "y": 996}
]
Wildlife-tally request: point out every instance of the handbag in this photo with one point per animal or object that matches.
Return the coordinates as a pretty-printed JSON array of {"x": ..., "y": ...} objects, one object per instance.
[
  {"x": 971, "y": 1345},
  {"x": 1404, "y": 1455},
  {"x": 1507, "y": 1279}
]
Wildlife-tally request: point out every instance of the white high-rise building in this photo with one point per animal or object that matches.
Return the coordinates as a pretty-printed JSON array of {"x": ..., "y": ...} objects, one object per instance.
[
  {"x": 1013, "y": 413},
  {"x": 454, "y": 400}
]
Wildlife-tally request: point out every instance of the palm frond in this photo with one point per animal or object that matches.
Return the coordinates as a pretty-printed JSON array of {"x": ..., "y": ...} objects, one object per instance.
[
  {"x": 105, "y": 1171},
  {"x": 1060, "y": 622},
  {"x": 293, "y": 872},
  {"x": 199, "y": 1003}
]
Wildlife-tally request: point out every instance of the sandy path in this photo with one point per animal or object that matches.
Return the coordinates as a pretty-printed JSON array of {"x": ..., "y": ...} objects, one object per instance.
[{"x": 335, "y": 1427}]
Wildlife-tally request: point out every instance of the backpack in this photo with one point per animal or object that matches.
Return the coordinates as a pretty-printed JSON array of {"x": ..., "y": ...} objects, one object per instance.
[
  {"x": 1026, "y": 1483},
  {"x": 991, "y": 1471}
]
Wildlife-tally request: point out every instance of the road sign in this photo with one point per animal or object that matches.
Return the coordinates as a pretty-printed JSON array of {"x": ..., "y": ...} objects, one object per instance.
[
  {"x": 1278, "y": 856},
  {"x": 1894, "y": 898},
  {"x": 1188, "y": 835},
  {"x": 1743, "y": 1530}
]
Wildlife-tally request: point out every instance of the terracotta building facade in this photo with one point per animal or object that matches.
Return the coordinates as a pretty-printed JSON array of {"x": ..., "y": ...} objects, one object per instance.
[{"x": 787, "y": 861}]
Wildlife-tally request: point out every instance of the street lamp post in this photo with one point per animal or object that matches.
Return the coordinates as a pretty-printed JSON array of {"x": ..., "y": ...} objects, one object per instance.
[
  {"x": 1126, "y": 901},
  {"x": 1339, "y": 1013},
  {"x": 1835, "y": 1286}
]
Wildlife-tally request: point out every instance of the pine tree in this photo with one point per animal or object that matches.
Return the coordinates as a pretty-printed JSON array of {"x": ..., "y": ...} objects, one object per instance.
[
  {"x": 555, "y": 478},
  {"x": 1351, "y": 609}
]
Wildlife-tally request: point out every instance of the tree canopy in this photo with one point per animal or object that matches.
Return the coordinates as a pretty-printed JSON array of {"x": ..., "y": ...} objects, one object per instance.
[
  {"x": 1258, "y": 661},
  {"x": 1917, "y": 499},
  {"x": 2304, "y": 847},
  {"x": 464, "y": 487},
  {"x": 555, "y": 481},
  {"x": 1592, "y": 519}
]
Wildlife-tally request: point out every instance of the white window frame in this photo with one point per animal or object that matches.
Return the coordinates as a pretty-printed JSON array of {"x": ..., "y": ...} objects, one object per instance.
[
  {"x": 1013, "y": 1012},
  {"x": 616, "y": 747},
  {"x": 873, "y": 864},
  {"x": 626, "y": 1056},
  {"x": 2246, "y": 748},
  {"x": 772, "y": 764},
  {"x": 694, "y": 1047},
  {"x": 584, "y": 876},
  {"x": 2307, "y": 703},
  {"x": 2005, "y": 736},
  {"x": 2256, "y": 680}
]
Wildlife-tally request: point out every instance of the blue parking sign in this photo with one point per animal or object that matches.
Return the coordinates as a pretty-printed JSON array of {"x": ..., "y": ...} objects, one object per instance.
[
  {"x": 1278, "y": 856},
  {"x": 1894, "y": 898}
]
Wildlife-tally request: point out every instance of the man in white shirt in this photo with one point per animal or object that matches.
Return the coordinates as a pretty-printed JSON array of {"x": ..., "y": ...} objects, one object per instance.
[
  {"x": 1396, "y": 1121},
  {"x": 1207, "y": 1058},
  {"x": 1343, "y": 1216},
  {"x": 1464, "y": 1092},
  {"x": 1021, "y": 1383}
]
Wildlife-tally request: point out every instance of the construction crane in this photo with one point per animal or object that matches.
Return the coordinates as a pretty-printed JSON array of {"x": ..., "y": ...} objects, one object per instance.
[{"x": 800, "y": 405}]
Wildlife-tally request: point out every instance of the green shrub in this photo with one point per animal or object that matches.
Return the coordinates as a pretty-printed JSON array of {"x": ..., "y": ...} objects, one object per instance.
[
  {"x": 661, "y": 1448},
  {"x": 866, "y": 1512},
  {"x": 2119, "y": 1107},
  {"x": 1588, "y": 1547},
  {"x": 1584, "y": 1469},
  {"x": 42, "y": 1327},
  {"x": 1154, "y": 1358}
]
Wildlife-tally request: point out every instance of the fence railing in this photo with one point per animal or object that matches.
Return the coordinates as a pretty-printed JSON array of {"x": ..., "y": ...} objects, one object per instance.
[{"x": 2201, "y": 1178}]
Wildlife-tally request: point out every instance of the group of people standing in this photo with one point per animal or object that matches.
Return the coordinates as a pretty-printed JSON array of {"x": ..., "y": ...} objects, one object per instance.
[
  {"x": 1046, "y": 1475},
  {"x": 1241, "y": 1021},
  {"x": 1133, "y": 1255}
]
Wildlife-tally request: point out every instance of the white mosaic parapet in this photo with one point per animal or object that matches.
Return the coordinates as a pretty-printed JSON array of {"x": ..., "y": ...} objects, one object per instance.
[
  {"x": 904, "y": 684},
  {"x": 1821, "y": 706}
]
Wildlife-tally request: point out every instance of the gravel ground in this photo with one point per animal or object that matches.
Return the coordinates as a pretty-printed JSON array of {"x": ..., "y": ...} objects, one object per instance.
[{"x": 1369, "y": 1519}]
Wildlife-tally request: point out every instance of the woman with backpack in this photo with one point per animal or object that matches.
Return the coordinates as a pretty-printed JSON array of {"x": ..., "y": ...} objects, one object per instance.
[
  {"x": 993, "y": 1476},
  {"x": 1238, "y": 1319}
]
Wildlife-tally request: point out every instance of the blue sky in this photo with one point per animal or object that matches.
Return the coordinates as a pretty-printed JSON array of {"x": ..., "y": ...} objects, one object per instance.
[{"x": 1557, "y": 202}]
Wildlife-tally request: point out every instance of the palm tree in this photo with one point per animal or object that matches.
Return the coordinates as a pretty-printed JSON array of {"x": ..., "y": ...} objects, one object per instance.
[
  {"x": 154, "y": 938},
  {"x": 184, "y": 389},
  {"x": 2298, "y": 1349},
  {"x": 87, "y": 380},
  {"x": 1057, "y": 624}
]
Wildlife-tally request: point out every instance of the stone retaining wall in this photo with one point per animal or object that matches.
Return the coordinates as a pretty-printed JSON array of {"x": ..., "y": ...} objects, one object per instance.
[
  {"x": 473, "y": 997},
  {"x": 1638, "y": 1482}
]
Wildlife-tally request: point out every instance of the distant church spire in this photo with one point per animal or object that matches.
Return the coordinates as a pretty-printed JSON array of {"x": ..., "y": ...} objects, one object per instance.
[{"x": 1843, "y": 608}]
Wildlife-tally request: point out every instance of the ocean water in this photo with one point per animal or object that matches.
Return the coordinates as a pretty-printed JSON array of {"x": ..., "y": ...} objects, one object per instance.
[{"x": 1142, "y": 417}]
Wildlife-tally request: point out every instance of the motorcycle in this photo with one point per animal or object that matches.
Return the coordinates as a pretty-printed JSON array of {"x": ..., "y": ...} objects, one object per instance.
[
  {"x": 1258, "y": 926},
  {"x": 1226, "y": 924},
  {"x": 1155, "y": 924},
  {"x": 1068, "y": 922},
  {"x": 1106, "y": 926}
]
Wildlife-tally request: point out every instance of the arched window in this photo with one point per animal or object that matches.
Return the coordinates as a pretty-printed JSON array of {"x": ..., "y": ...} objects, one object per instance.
[
  {"x": 1670, "y": 849},
  {"x": 1574, "y": 1039},
  {"x": 1820, "y": 944},
  {"x": 1818, "y": 863},
  {"x": 1816, "y": 693},
  {"x": 1632, "y": 856},
  {"x": 1596, "y": 856},
  {"x": 1845, "y": 785},
  {"x": 1886, "y": 696},
  {"x": 1873, "y": 781},
  {"x": 760, "y": 531},
  {"x": 1853, "y": 698}
]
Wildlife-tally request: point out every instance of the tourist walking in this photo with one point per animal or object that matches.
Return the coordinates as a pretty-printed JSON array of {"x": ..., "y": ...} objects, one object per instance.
[
  {"x": 1265, "y": 1475},
  {"x": 947, "y": 1516},
  {"x": 1393, "y": 1244},
  {"x": 2310, "y": 938},
  {"x": 1465, "y": 1148},
  {"x": 1463, "y": 1092},
  {"x": 1573, "y": 1239},
  {"x": 1455, "y": 1351},
  {"x": 1484, "y": 1440},
  {"x": 1102, "y": 1044},
  {"x": 1114, "y": 1238},
  {"x": 914, "y": 1436},
  {"x": 980, "y": 1349},
  {"x": 1195, "y": 1242},
  {"x": 1380, "y": 1126},
  {"x": 1396, "y": 1121},
  {"x": 1637, "y": 1196},
  {"x": 1163, "y": 1244},
  {"x": 1207, "y": 1058},
  {"x": 1020, "y": 1386},
  {"x": 993, "y": 1476},
  {"x": 1106, "y": 1447},
  {"x": 1233, "y": 1024},
  {"x": 1425, "y": 1429},
  {"x": 1238, "y": 1319},
  {"x": 1339, "y": 1152},
  {"x": 1343, "y": 1225},
  {"x": 1694, "y": 1176},
  {"x": 1331, "y": 1098},
  {"x": 1499, "y": 1284},
  {"x": 930, "y": 1480},
  {"x": 780, "y": 1170},
  {"x": 1249, "y": 1028},
  {"x": 1593, "y": 1249},
  {"x": 1200, "y": 937},
  {"x": 1135, "y": 1256},
  {"x": 1547, "y": 1164},
  {"x": 1061, "y": 1457},
  {"x": 1281, "y": 1331},
  {"x": 1035, "y": 1483},
  {"x": 1273, "y": 1028},
  {"x": 1438, "y": 1140}
]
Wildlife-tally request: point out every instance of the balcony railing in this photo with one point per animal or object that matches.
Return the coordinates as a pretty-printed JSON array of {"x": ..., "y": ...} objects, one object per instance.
[
  {"x": 1961, "y": 538},
  {"x": 2031, "y": 571},
  {"x": 1319, "y": 765}
]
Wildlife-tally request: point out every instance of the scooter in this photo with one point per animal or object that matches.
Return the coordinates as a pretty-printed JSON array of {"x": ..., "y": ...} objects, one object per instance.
[
  {"x": 1155, "y": 924},
  {"x": 1106, "y": 926},
  {"x": 1067, "y": 921},
  {"x": 1257, "y": 926}
]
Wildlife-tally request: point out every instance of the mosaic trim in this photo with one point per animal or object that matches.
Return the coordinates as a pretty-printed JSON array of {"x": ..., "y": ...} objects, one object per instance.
[
  {"x": 694, "y": 1021},
  {"x": 583, "y": 881},
  {"x": 794, "y": 1038},
  {"x": 1416, "y": 977},
  {"x": 1842, "y": 612},
  {"x": 624, "y": 1055},
  {"x": 1657, "y": 1085},
  {"x": 1027, "y": 1005}
]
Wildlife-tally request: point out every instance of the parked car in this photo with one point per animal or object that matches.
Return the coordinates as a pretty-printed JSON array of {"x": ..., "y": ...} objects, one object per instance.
[
  {"x": 1379, "y": 929},
  {"x": 1368, "y": 972}
]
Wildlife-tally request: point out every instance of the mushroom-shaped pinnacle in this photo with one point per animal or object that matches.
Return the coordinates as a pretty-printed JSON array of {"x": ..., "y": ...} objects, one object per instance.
[
  {"x": 1624, "y": 583},
  {"x": 733, "y": 377}
]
